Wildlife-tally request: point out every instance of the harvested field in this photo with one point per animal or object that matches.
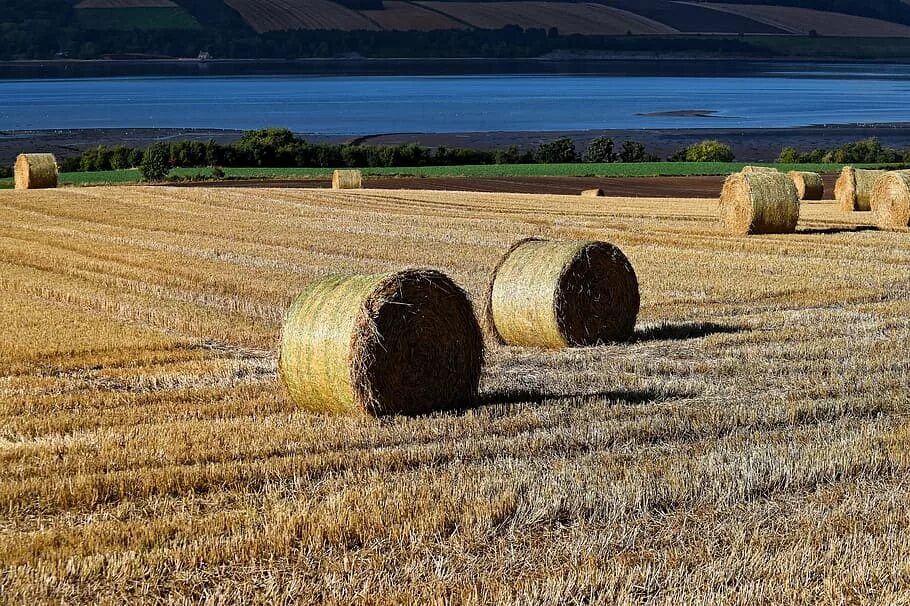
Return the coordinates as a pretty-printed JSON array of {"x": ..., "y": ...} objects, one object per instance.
[
  {"x": 803, "y": 20},
  {"x": 404, "y": 16},
  {"x": 752, "y": 444},
  {"x": 279, "y": 15},
  {"x": 693, "y": 19},
  {"x": 581, "y": 18}
]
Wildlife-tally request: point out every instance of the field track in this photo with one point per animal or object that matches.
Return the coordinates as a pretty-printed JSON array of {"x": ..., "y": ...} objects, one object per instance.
[
  {"x": 656, "y": 187},
  {"x": 751, "y": 445}
]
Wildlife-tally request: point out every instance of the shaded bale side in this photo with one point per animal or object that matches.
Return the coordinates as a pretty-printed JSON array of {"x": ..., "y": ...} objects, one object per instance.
[
  {"x": 853, "y": 190},
  {"x": 36, "y": 171},
  {"x": 809, "y": 186},
  {"x": 759, "y": 169},
  {"x": 347, "y": 179},
  {"x": 759, "y": 203},
  {"x": 562, "y": 294},
  {"x": 891, "y": 200},
  {"x": 592, "y": 193},
  {"x": 401, "y": 343}
]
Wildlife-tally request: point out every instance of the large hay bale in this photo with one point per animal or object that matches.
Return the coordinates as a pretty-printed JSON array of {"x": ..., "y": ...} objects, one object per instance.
[
  {"x": 759, "y": 203},
  {"x": 592, "y": 193},
  {"x": 891, "y": 200},
  {"x": 557, "y": 294},
  {"x": 347, "y": 179},
  {"x": 36, "y": 171},
  {"x": 401, "y": 343},
  {"x": 853, "y": 190},
  {"x": 759, "y": 169},
  {"x": 809, "y": 186}
]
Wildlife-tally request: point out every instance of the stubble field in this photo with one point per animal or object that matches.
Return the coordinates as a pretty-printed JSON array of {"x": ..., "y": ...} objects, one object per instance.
[{"x": 752, "y": 444}]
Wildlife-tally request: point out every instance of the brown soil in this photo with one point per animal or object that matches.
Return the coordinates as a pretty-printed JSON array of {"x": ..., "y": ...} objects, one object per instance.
[{"x": 648, "y": 187}]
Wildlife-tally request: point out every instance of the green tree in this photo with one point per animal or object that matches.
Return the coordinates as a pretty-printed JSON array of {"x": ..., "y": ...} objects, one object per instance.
[
  {"x": 560, "y": 151},
  {"x": 710, "y": 151},
  {"x": 632, "y": 151},
  {"x": 789, "y": 155},
  {"x": 155, "y": 164},
  {"x": 600, "y": 150}
]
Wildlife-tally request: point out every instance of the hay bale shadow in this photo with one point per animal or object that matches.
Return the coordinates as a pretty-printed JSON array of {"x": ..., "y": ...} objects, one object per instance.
[
  {"x": 540, "y": 396},
  {"x": 837, "y": 230},
  {"x": 684, "y": 331}
]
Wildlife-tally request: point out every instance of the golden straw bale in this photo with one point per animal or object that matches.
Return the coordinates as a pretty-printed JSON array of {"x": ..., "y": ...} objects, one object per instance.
[
  {"x": 759, "y": 169},
  {"x": 36, "y": 171},
  {"x": 347, "y": 179},
  {"x": 592, "y": 193},
  {"x": 809, "y": 186},
  {"x": 853, "y": 190},
  {"x": 401, "y": 343},
  {"x": 891, "y": 200},
  {"x": 562, "y": 294},
  {"x": 759, "y": 203}
]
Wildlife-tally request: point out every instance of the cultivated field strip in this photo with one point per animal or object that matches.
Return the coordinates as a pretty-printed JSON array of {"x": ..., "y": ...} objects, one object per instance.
[{"x": 751, "y": 444}]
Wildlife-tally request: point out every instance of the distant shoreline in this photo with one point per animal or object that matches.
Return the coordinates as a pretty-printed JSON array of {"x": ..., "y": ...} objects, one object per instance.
[{"x": 757, "y": 144}]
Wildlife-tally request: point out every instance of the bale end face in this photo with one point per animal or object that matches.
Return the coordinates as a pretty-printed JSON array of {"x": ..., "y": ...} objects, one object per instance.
[
  {"x": 557, "y": 294},
  {"x": 347, "y": 179},
  {"x": 404, "y": 343},
  {"x": 853, "y": 190},
  {"x": 809, "y": 186},
  {"x": 759, "y": 203},
  {"x": 891, "y": 201},
  {"x": 36, "y": 171}
]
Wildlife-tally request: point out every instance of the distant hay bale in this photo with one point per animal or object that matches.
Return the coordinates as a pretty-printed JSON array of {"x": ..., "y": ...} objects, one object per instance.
[
  {"x": 593, "y": 193},
  {"x": 401, "y": 343},
  {"x": 891, "y": 200},
  {"x": 759, "y": 169},
  {"x": 853, "y": 190},
  {"x": 347, "y": 179},
  {"x": 557, "y": 294},
  {"x": 759, "y": 203},
  {"x": 809, "y": 186},
  {"x": 36, "y": 171}
]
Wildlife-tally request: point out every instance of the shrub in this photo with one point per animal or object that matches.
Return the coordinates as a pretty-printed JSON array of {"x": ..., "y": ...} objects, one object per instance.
[
  {"x": 633, "y": 151},
  {"x": 710, "y": 151},
  {"x": 155, "y": 164},
  {"x": 600, "y": 150},
  {"x": 789, "y": 155},
  {"x": 560, "y": 151}
]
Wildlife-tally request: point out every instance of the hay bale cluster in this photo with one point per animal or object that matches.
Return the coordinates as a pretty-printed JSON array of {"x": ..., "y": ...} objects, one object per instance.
[
  {"x": 347, "y": 179},
  {"x": 809, "y": 186},
  {"x": 401, "y": 343},
  {"x": 759, "y": 202},
  {"x": 556, "y": 294},
  {"x": 36, "y": 171},
  {"x": 853, "y": 190},
  {"x": 890, "y": 200}
]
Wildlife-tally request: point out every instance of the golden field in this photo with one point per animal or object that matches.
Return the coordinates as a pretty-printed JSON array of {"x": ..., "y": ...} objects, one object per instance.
[{"x": 751, "y": 445}]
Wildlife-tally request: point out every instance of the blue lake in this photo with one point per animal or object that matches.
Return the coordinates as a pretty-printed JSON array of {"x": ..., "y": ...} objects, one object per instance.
[{"x": 780, "y": 96}]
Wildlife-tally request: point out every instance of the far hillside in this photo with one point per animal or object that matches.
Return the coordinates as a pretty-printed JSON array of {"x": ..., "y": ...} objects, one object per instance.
[{"x": 402, "y": 28}]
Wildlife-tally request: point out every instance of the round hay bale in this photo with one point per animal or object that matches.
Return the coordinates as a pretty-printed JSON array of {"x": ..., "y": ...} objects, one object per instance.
[
  {"x": 809, "y": 186},
  {"x": 36, "y": 171},
  {"x": 562, "y": 294},
  {"x": 401, "y": 343},
  {"x": 347, "y": 179},
  {"x": 853, "y": 190},
  {"x": 593, "y": 193},
  {"x": 759, "y": 169},
  {"x": 759, "y": 203},
  {"x": 891, "y": 200}
]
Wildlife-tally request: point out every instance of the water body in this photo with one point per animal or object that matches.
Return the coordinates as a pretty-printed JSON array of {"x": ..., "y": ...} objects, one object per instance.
[{"x": 622, "y": 95}]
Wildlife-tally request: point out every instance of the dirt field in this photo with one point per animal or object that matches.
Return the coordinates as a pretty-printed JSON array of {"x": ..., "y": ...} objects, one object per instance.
[
  {"x": 279, "y": 15},
  {"x": 803, "y": 20},
  {"x": 648, "y": 187},
  {"x": 751, "y": 445}
]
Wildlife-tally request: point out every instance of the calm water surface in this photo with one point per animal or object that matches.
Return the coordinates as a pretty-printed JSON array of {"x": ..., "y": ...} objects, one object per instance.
[{"x": 795, "y": 95}]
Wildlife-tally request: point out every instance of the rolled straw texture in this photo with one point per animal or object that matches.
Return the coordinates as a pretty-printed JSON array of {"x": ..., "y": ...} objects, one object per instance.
[
  {"x": 36, "y": 171},
  {"x": 347, "y": 179},
  {"x": 891, "y": 200},
  {"x": 401, "y": 343},
  {"x": 562, "y": 294},
  {"x": 809, "y": 186},
  {"x": 759, "y": 203},
  {"x": 853, "y": 190}
]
